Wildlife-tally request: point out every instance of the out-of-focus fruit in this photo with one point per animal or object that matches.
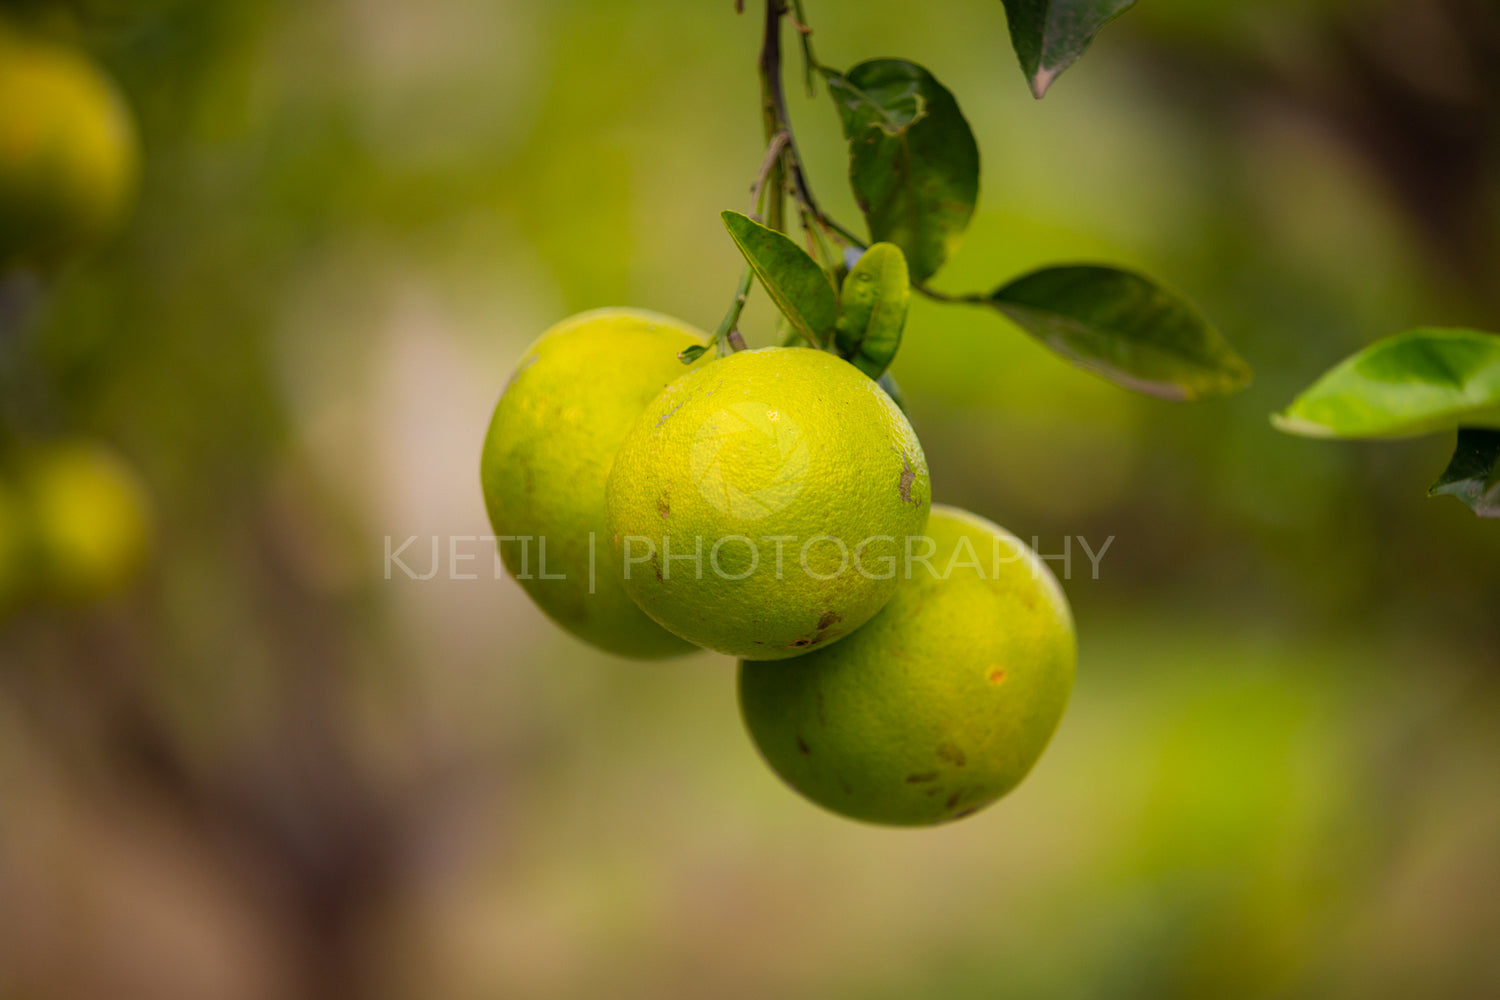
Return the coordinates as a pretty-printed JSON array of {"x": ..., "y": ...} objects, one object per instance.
[{"x": 69, "y": 156}]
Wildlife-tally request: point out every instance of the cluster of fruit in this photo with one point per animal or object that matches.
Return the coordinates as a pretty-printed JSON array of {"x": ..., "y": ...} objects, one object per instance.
[
  {"x": 75, "y": 522},
  {"x": 900, "y": 662}
]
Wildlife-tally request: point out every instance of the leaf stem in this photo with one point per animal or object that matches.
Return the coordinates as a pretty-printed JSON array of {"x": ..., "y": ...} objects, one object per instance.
[
  {"x": 964, "y": 299},
  {"x": 782, "y": 169},
  {"x": 773, "y": 157},
  {"x": 777, "y": 120},
  {"x": 773, "y": 105},
  {"x": 773, "y": 110},
  {"x": 809, "y": 61}
]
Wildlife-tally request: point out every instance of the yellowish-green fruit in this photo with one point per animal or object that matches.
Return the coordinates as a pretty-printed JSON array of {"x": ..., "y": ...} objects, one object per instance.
[
  {"x": 90, "y": 521},
  {"x": 554, "y": 434},
  {"x": 760, "y": 504},
  {"x": 68, "y": 152},
  {"x": 942, "y": 703}
]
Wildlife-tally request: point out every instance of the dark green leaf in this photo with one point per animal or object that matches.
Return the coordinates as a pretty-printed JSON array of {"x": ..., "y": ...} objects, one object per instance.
[
  {"x": 1126, "y": 328},
  {"x": 787, "y": 335},
  {"x": 796, "y": 283},
  {"x": 913, "y": 162},
  {"x": 1474, "y": 474},
  {"x": 1418, "y": 382},
  {"x": 872, "y": 309},
  {"x": 690, "y": 354},
  {"x": 1050, "y": 35}
]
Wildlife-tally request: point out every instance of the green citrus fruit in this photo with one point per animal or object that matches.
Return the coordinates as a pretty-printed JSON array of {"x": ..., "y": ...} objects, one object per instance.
[
  {"x": 68, "y": 152},
  {"x": 573, "y": 397},
  {"x": 759, "y": 503},
  {"x": 938, "y": 706},
  {"x": 90, "y": 521}
]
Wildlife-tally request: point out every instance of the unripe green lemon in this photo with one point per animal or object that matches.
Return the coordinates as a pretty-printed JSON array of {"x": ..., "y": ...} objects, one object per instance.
[
  {"x": 942, "y": 703},
  {"x": 555, "y": 431},
  {"x": 759, "y": 504},
  {"x": 90, "y": 521},
  {"x": 68, "y": 152}
]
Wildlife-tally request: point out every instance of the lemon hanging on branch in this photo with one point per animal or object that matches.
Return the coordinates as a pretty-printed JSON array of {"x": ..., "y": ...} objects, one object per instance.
[
  {"x": 760, "y": 505},
  {"x": 551, "y": 442},
  {"x": 938, "y": 706}
]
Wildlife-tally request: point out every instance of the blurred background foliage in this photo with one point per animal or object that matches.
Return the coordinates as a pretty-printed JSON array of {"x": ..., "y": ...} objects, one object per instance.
[{"x": 262, "y": 769}]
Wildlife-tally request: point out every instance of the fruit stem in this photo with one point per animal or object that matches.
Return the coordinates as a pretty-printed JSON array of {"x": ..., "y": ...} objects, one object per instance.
[
  {"x": 773, "y": 109},
  {"x": 787, "y": 163},
  {"x": 773, "y": 158}
]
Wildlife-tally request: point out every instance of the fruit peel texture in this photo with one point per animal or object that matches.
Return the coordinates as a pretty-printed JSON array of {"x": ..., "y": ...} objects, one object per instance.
[
  {"x": 779, "y": 443},
  {"x": 938, "y": 706},
  {"x": 552, "y": 440}
]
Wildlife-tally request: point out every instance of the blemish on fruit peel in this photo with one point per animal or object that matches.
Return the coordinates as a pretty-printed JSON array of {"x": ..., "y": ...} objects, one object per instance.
[
  {"x": 908, "y": 476},
  {"x": 668, "y": 415},
  {"x": 952, "y": 754}
]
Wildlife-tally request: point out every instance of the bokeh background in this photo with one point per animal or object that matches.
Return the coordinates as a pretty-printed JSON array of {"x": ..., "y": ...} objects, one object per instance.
[{"x": 263, "y": 769}]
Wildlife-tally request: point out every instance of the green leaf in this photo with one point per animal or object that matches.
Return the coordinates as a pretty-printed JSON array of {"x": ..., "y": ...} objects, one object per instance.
[
  {"x": 1474, "y": 474},
  {"x": 913, "y": 162},
  {"x": 690, "y": 354},
  {"x": 1419, "y": 382},
  {"x": 1126, "y": 328},
  {"x": 796, "y": 283},
  {"x": 1050, "y": 35},
  {"x": 877, "y": 291}
]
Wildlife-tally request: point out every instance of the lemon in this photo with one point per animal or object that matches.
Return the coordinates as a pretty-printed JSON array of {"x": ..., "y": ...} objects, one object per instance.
[
  {"x": 68, "y": 152},
  {"x": 942, "y": 703},
  {"x": 759, "y": 505},
  {"x": 90, "y": 520},
  {"x": 554, "y": 434}
]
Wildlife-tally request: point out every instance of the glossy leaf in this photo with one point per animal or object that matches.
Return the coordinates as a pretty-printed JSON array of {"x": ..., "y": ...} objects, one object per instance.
[
  {"x": 1050, "y": 35},
  {"x": 796, "y": 283},
  {"x": 913, "y": 162},
  {"x": 1418, "y": 382},
  {"x": 1126, "y": 328},
  {"x": 1474, "y": 474},
  {"x": 872, "y": 309},
  {"x": 787, "y": 335}
]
